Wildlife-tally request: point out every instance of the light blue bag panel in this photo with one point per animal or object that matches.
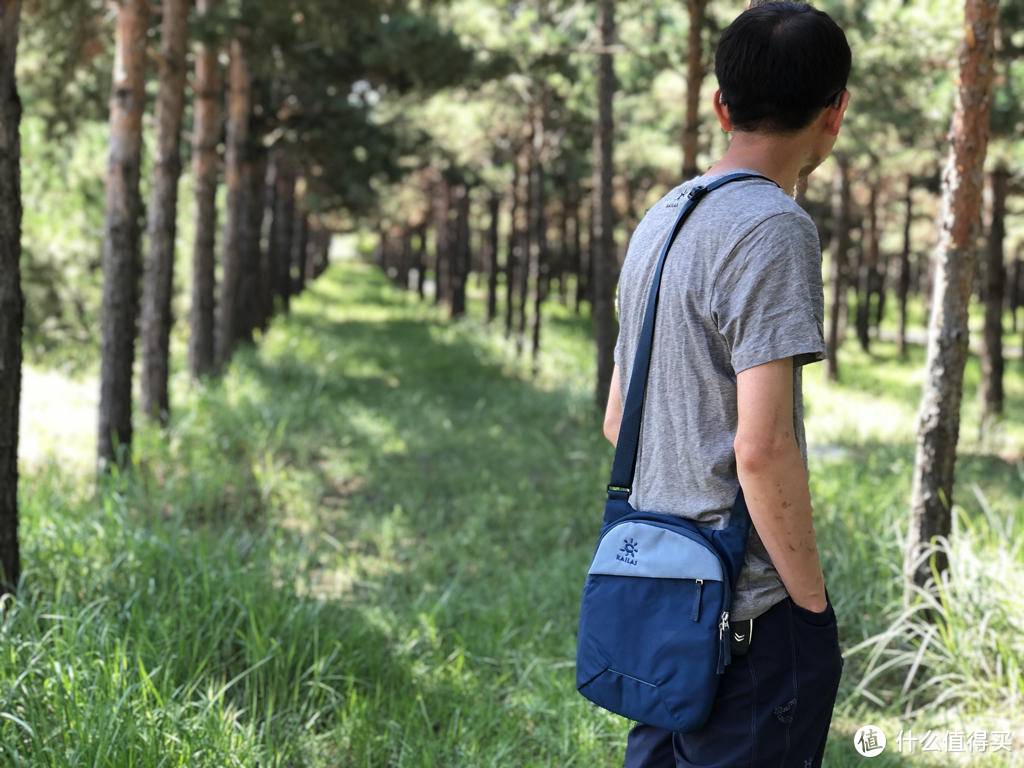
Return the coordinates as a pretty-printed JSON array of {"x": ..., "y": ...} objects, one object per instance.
[{"x": 640, "y": 549}]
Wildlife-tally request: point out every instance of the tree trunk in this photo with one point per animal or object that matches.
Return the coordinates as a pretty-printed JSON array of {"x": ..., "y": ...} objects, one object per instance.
[
  {"x": 560, "y": 261},
  {"x": 442, "y": 240},
  {"x": 494, "y": 209},
  {"x": 406, "y": 268},
  {"x": 301, "y": 245},
  {"x": 460, "y": 253},
  {"x": 205, "y": 137},
  {"x": 539, "y": 258},
  {"x": 283, "y": 228},
  {"x": 603, "y": 244},
  {"x": 313, "y": 251},
  {"x": 158, "y": 279},
  {"x": 1015, "y": 287},
  {"x": 866, "y": 271},
  {"x": 12, "y": 310},
  {"x": 992, "y": 363},
  {"x": 230, "y": 314},
  {"x": 694, "y": 80},
  {"x": 512, "y": 252},
  {"x": 256, "y": 281},
  {"x": 576, "y": 245},
  {"x": 421, "y": 260},
  {"x": 903, "y": 287},
  {"x": 881, "y": 277},
  {"x": 267, "y": 194},
  {"x": 938, "y": 423},
  {"x": 121, "y": 236},
  {"x": 526, "y": 234},
  {"x": 840, "y": 248}
]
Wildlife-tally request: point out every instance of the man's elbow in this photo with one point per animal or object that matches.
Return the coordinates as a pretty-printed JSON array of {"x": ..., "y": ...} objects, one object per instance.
[
  {"x": 611, "y": 430},
  {"x": 761, "y": 454}
]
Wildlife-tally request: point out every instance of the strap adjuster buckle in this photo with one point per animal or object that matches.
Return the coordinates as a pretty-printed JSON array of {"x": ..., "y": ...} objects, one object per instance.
[{"x": 619, "y": 490}]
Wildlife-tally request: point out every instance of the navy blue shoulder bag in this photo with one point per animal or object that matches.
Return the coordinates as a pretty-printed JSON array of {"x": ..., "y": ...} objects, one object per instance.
[{"x": 653, "y": 637}]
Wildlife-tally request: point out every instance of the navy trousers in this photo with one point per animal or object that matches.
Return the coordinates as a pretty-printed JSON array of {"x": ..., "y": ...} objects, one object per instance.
[{"x": 774, "y": 703}]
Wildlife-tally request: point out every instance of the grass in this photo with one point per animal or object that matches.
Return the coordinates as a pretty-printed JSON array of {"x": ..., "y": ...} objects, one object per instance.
[{"x": 364, "y": 547}]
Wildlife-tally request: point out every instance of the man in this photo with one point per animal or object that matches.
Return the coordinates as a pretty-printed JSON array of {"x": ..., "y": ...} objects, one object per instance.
[{"x": 741, "y": 311}]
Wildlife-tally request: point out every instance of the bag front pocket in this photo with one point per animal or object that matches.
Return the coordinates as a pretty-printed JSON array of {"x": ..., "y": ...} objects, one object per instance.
[{"x": 649, "y": 645}]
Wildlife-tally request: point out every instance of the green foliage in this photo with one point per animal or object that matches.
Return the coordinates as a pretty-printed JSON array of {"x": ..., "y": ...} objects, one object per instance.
[{"x": 63, "y": 200}]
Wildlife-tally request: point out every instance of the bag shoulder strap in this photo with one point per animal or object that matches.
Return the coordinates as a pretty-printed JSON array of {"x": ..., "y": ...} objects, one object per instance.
[{"x": 624, "y": 465}]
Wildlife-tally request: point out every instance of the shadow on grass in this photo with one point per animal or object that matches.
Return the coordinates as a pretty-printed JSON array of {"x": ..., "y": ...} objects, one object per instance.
[{"x": 449, "y": 492}]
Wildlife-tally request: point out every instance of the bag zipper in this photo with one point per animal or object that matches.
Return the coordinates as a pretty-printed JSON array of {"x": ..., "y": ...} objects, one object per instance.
[
  {"x": 696, "y": 603},
  {"x": 724, "y": 649}
]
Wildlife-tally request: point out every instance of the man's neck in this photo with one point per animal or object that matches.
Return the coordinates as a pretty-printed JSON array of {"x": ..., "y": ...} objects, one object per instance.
[{"x": 774, "y": 158}]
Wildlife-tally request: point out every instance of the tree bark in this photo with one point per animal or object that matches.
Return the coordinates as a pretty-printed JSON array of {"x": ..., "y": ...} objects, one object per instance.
[
  {"x": 265, "y": 189},
  {"x": 694, "y": 79},
  {"x": 405, "y": 267},
  {"x": 283, "y": 228},
  {"x": 839, "y": 253},
  {"x": 938, "y": 424},
  {"x": 255, "y": 280},
  {"x": 121, "y": 235},
  {"x": 560, "y": 260},
  {"x": 300, "y": 246},
  {"x": 494, "y": 209},
  {"x": 866, "y": 271},
  {"x": 460, "y": 253},
  {"x": 539, "y": 257},
  {"x": 230, "y": 314},
  {"x": 903, "y": 287},
  {"x": 421, "y": 259},
  {"x": 526, "y": 236},
  {"x": 158, "y": 279},
  {"x": 992, "y": 362},
  {"x": 315, "y": 249},
  {"x": 1015, "y": 287},
  {"x": 205, "y": 137},
  {"x": 573, "y": 243},
  {"x": 442, "y": 240},
  {"x": 512, "y": 251},
  {"x": 12, "y": 305},
  {"x": 603, "y": 244}
]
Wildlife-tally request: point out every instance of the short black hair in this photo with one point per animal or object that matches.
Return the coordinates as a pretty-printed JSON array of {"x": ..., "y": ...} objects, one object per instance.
[{"x": 779, "y": 64}]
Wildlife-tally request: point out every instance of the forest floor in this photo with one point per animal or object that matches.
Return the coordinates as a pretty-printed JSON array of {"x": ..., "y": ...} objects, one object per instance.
[{"x": 365, "y": 546}]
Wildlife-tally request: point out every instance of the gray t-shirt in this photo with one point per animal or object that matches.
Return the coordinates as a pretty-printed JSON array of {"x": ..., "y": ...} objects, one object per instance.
[{"x": 741, "y": 286}]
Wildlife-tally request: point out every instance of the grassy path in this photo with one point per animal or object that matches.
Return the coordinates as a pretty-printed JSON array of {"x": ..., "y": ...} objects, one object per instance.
[{"x": 365, "y": 547}]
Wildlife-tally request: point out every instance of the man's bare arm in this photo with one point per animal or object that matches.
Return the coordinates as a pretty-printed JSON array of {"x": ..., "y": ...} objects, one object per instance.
[
  {"x": 774, "y": 480},
  {"x": 613, "y": 411}
]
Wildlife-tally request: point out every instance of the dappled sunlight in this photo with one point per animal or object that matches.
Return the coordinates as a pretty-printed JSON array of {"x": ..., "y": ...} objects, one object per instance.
[{"x": 58, "y": 419}]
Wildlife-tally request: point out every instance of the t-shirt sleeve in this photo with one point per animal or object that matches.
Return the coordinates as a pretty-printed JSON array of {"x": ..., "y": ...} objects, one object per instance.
[
  {"x": 767, "y": 298},
  {"x": 620, "y": 339}
]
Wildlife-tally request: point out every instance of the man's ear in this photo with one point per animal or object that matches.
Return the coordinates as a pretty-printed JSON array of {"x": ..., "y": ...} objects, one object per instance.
[
  {"x": 721, "y": 111},
  {"x": 834, "y": 115}
]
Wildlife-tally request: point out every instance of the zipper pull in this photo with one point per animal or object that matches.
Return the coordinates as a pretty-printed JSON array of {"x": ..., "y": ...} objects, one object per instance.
[
  {"x": 696, "y": 603},
  {"x": 724, "y": 651}
]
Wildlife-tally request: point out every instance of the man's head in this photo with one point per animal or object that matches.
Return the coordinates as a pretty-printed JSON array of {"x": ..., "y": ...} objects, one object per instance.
[{"x": 782, "y": 69}]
